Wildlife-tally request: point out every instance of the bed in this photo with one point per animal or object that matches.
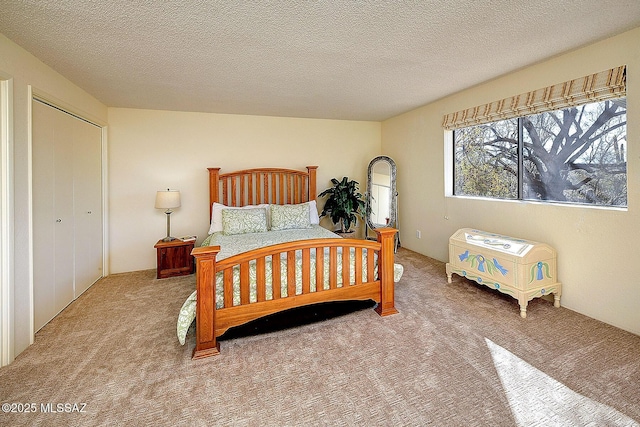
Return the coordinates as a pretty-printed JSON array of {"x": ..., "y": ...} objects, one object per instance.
[{"x": 246, "y": 269}]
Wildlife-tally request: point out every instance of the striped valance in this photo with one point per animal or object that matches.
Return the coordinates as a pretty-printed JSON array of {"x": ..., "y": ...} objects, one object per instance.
[{"x": 592, "y": 88}]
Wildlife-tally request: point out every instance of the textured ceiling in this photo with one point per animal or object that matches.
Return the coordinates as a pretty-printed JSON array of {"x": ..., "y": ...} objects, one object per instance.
[{"x": 357, "y": 60}]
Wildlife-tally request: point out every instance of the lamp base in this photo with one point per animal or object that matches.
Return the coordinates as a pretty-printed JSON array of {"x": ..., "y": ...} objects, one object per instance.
[{"x": 168, "y": 238}]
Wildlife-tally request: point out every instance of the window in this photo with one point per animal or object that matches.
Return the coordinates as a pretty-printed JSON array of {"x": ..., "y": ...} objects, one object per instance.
[
  {"x": 572, "y": 155},
  {"x": 486, "y": 160},
  {"x": 562, "y": 143}
]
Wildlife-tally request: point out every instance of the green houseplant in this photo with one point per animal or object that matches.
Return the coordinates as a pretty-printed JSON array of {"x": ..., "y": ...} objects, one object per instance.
[{"x": 344, "y": 204}]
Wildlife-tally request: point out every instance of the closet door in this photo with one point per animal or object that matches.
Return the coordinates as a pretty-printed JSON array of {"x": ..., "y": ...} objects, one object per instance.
[
  {"x": 52, "y": 214},
  {"x": 87, "y": 200},
  {"x": 67, "y": 240},
  {"x": 63, "y": 212},
  {"x": 44, "y": 216}
]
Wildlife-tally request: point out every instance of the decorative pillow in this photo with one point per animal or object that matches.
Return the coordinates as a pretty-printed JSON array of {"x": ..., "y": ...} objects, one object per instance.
[
  {"x": 286, "y": 217},
  {"x": 216, "y": 215},
  {"x": 241, "y": 221}
]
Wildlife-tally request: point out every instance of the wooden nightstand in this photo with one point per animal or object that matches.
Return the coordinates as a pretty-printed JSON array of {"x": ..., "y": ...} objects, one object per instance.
[{"x": 174, "y": 258}]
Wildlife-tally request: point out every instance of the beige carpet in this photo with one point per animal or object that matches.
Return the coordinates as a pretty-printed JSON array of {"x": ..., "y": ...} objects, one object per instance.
[{"x": 455, "y": 355}]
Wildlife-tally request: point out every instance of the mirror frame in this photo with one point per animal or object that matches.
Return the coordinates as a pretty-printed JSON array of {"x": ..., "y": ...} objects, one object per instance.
[{"x": 394, "y": 193}]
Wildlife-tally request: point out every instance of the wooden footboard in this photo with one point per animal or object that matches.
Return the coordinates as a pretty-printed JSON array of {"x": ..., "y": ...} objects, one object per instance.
[{"x": 211, "y": 322}]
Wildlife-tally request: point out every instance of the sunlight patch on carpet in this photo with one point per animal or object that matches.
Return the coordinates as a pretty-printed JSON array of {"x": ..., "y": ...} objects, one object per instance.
[{"x": 536, "y": 399}]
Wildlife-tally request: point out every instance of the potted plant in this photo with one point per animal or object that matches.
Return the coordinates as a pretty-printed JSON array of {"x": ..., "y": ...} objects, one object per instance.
[{"x": 344, "y": 204}]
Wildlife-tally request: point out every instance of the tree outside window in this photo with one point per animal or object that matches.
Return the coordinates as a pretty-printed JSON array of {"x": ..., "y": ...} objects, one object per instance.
[{"x": 574, "y": 155}]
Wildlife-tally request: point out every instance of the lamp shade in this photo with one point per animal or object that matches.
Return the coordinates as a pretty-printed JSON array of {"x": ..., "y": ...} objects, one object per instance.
[{"x": 167, "y": 199}]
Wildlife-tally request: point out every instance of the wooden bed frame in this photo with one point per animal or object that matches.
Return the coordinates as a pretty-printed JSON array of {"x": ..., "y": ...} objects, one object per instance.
[{"x": 282, "y": 186}]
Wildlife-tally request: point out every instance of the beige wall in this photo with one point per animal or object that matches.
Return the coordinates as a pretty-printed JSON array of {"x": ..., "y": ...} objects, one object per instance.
[
  {"x": 23, "y": 69},
  {"x": 597, "y": 248},
  {"x": 152, "y": 150}
]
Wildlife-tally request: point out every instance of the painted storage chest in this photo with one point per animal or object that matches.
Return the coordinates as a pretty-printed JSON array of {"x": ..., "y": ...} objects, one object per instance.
[{"x": 520, "y": 268}]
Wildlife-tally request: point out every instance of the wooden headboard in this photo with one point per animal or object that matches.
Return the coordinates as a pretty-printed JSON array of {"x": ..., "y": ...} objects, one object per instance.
[{"x": 262, "y": 185}]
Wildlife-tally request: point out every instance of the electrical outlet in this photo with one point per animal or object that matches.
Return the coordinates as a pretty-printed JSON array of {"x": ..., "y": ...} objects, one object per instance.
[{"x": 419, "y": 234}]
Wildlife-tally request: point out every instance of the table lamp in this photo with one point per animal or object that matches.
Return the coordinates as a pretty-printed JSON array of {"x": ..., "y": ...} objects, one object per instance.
[{"x": 168, "y": 199}]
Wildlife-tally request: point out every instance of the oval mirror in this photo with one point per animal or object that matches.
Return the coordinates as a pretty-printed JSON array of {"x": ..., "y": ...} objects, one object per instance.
[{"x": 381, "y": 193}]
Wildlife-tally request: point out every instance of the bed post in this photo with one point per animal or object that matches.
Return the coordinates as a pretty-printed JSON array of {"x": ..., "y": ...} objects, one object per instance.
[
  {"x": 312, "y": 182},
  {"x": 206, "y": 344},
  {"x": 214, "y": 187},
  {"x": 386, "y": 238}
]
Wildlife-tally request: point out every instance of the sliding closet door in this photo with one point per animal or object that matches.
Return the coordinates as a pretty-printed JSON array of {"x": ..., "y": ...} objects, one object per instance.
[{"x": 67, "y": 209}]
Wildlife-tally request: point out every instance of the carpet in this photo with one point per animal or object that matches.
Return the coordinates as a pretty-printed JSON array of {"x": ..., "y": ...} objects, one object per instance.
[{"x": 455, "y": 355}]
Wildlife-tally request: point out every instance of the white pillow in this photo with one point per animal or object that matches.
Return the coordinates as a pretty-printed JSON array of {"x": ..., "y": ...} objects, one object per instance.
[
  {"x": 314, "y": 218},
  {"x": 216, "y": 215}
]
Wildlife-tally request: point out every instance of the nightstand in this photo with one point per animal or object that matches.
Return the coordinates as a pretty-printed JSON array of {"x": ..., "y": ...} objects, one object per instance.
[{"x": 174, "y": 258}]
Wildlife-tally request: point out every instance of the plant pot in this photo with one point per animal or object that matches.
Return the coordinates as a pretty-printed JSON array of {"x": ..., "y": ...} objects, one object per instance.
[{"x": 346, "y": 235}]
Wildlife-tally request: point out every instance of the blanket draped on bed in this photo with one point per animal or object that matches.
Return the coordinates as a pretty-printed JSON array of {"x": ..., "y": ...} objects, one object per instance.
[{"x": 231, "y": 245}]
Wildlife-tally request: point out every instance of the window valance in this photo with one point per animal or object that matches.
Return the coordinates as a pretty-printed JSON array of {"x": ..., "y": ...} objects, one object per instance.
[{"x": 592, "y": 88}]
